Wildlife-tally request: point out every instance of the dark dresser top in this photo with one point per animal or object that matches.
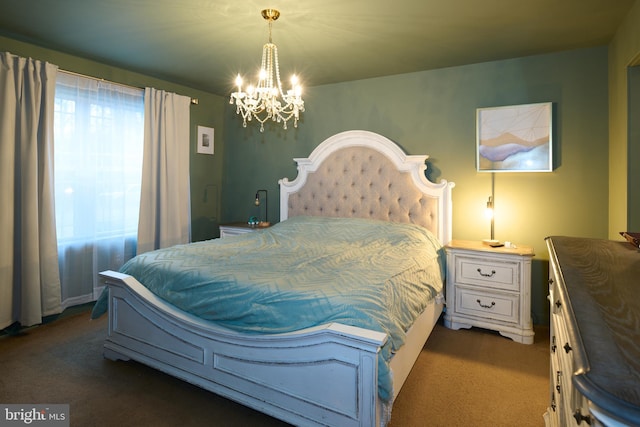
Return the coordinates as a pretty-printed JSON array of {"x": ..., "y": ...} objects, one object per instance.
[{"x": 601, "y": 288}]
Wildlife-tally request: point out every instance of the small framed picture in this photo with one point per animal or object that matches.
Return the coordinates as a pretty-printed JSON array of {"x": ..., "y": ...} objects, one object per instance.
[
  {"x": 515, "y": 138},
  {"x": 205, "y": 140}
]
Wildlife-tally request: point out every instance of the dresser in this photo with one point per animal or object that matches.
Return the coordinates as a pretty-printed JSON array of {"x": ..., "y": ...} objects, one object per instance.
[
  {"x": 489, "y": 288},
  {"x": 594, "y": 295}
]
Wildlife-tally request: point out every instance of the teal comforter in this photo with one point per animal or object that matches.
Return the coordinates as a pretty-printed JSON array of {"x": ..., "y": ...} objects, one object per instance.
[{"x": 304, "y": 272}]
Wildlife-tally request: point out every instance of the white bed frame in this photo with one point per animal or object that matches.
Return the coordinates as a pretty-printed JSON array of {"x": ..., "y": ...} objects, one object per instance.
[{"x": 326, "y": 375}]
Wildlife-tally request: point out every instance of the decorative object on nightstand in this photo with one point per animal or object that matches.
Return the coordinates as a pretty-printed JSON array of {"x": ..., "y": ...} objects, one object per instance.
[
  {"x": 633, "y": 238},
  {"x": 489, "y": 288}
]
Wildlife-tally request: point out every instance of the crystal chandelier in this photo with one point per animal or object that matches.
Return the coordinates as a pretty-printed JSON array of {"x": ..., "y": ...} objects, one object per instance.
[{"x": 267, "y": 100}]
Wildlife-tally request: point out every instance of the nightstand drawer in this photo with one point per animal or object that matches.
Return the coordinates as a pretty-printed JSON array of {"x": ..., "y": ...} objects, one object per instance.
[
  {"x": 488, "y": 305},
  {"x": 237, "y": 228},
  {"x": 226, "y": 231},
  {"x": 489, "y": 274}
]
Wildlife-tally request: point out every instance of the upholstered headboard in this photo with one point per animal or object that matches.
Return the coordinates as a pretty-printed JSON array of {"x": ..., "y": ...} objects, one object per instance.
[{"x": 363, "y": 174}]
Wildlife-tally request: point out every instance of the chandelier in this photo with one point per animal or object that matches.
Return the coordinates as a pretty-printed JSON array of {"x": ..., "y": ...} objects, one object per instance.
[{"x": 266, "y": 100}]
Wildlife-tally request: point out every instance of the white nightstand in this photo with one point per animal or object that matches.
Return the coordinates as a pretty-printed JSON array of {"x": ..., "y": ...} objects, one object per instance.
[
  {"x": 489, "y": 288},
  {"x": 235, "y": 228}
]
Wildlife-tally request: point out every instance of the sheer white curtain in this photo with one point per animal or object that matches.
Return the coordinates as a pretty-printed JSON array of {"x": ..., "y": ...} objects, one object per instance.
[
  {"x": 99, "y": 136},
  {"x": 165, "y": 213},
  {"x": 29, "y": 279}
]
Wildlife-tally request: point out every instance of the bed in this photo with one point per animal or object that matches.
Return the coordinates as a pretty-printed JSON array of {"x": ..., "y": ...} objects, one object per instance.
[{"x": 336, "y": 372}]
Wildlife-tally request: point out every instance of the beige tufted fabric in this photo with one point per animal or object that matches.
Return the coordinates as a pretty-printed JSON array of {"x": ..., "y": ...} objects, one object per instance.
[{"x": 364, "y": 183}]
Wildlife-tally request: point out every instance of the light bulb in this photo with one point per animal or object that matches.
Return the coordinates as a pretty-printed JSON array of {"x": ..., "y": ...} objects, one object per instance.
[{"x": 488, "y": 212}]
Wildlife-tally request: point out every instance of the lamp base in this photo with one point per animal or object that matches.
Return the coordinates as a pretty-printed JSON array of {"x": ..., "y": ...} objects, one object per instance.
[{"x": 490, "y": 241}]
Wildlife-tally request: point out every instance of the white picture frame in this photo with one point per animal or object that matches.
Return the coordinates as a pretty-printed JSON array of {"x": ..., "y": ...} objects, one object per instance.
[
  {"x": 515, "y": 138},
  {"x": 205, "y": 140}
]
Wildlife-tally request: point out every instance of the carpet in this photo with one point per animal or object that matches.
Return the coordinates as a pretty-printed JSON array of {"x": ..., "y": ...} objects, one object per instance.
[{"x": 462, "y": 378}]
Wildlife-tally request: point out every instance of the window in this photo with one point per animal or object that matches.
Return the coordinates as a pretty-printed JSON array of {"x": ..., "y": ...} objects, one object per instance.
[{"x": 98, "y": 137}]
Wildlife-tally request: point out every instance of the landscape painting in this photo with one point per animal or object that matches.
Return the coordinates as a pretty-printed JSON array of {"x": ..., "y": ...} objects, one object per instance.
[{"x": 515, "y": 138}]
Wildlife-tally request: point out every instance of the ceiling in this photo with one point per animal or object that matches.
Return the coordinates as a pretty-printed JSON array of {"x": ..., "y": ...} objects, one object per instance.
[{"x": 205, "y": 43}]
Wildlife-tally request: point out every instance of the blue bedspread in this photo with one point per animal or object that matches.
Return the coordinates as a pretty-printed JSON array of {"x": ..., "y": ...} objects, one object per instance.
[{"x": 303, "y": 272}]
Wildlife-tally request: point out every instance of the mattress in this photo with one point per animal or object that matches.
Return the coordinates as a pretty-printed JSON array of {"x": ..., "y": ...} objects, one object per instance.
[{"x": 304, "y": 272}]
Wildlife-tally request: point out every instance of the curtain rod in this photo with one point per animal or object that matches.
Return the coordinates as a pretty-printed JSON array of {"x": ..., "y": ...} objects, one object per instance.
[{"x": 73, "y": 73}]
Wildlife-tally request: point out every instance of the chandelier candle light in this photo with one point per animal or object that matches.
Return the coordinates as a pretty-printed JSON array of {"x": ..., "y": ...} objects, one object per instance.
[{"x": 267, "y": 100}]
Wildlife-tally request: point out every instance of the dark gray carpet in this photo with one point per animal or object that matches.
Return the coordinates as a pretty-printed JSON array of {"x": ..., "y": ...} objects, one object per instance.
[{"x": 462, "y": 378}]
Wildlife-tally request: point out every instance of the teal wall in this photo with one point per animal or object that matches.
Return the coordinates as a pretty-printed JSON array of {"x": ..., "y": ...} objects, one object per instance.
[
  {"x": 206, "y": 170},
  {"x": 433, "y": 112}
]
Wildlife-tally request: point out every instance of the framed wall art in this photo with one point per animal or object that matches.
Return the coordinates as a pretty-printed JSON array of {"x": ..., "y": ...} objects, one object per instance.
[
  {"x": 515, "y": 138},
  {"x": 205, "y": 140}
]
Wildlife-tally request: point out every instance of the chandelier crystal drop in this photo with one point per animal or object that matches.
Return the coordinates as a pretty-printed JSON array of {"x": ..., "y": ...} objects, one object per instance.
[{"x": 267, "y": 100}]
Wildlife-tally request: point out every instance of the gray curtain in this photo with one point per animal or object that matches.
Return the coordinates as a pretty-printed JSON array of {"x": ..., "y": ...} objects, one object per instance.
[
  {"x": 165, "y": 212},
  {"x": 29, "y": 277}
]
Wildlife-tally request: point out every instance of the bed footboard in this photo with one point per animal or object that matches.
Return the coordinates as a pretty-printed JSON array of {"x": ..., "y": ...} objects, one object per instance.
[{"x": 320, "y": 376}]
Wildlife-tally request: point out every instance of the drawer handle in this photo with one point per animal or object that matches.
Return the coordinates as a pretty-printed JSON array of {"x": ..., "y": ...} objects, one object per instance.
[
  {"x": 580, "y": 418},
  {"x": 484, "y": 305},
  {"x": 486, "y": 274},
  {"x": 567, "y": 348},
  {"x": 558, "y": 304}
]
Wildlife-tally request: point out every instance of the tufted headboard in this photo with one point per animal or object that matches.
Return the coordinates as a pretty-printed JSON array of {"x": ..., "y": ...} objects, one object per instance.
[{"x": 363, "y": 174}]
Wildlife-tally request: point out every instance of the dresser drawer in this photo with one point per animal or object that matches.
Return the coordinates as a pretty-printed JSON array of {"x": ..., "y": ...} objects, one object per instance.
[
  {"x": 488, "y": 273},
  {"x": 488, "y": 305}
]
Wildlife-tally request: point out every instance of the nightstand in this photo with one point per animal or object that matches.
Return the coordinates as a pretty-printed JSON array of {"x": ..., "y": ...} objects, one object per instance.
[
  {"x": 489, "y": 288},
  {"x": 235, "y": 228}
]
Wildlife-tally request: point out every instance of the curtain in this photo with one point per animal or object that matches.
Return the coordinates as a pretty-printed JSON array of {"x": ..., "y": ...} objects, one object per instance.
[
  {"x": 165, "y": 202},
  {"x": 99, "y": 134},
  {"x": 29, "y": 276}
]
